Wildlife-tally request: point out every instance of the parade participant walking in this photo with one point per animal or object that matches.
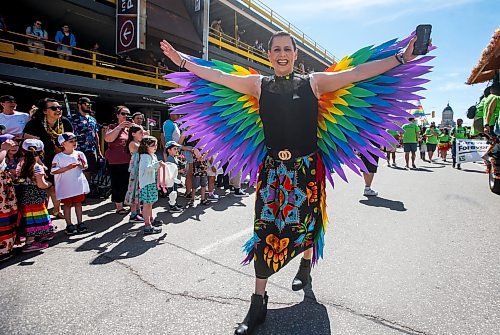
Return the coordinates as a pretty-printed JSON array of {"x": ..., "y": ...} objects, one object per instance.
[
  {"x": 8, "y": 201},
  {"x": 46, "y": 125},
  {"x": 458, "y": 132},
  {"x": 411, "y": 133},
  {"x": 118, "y": 158},
  {"x": 431, "y": 140},
  {"x": 34, "y": 219},
  {"x": 148, "y": 174},
  {"x": 292, "y": 169},
  {"x": 13, "y": 120},
  {"x": 492, "y": 108},
  {"x": 86, "y": 129},
  {"x": 391, "y": 151},
  {"x": 444, "y": 144},
  {"x": 71, "y": 184},
  {"x": 478, "y": 123},
  {"x": 135, "y": 135}
]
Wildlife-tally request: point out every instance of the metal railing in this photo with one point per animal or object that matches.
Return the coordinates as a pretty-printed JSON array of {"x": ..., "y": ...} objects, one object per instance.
[
  {"x": 278, "y": 20},
  {"x": 20, "y": 47}
]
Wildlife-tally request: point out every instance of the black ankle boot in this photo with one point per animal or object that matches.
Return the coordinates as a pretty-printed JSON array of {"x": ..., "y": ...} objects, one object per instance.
[
  {"x": 302, "y": 277},
  {"x": 255, "y": 316}
]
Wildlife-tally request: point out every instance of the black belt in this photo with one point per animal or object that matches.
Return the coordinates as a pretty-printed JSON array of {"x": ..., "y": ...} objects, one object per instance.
[{"x": 287, "y": 154}]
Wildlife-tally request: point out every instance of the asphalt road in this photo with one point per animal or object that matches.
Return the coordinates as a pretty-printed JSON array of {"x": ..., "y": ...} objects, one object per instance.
[{"x": 422, "y": 258}]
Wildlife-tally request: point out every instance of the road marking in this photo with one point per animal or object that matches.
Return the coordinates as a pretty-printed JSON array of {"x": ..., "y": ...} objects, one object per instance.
[{"x": 211, "y": 247}]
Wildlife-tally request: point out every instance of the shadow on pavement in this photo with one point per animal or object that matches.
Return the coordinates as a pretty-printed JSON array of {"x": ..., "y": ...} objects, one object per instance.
[
  {"x": 422, "y": 169},
  {"x": 474, "y": 171},
  {"x": 393, "y": 205},
  {"x": 307, "y": 317},
  {"x": 225, "y": 201}
]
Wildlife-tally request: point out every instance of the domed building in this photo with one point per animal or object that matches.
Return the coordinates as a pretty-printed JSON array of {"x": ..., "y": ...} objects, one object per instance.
[{"x": 447, "y": 117}]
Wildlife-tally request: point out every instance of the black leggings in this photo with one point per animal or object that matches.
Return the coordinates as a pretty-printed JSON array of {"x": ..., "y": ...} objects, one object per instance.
[{"x": 119, "y": 181}]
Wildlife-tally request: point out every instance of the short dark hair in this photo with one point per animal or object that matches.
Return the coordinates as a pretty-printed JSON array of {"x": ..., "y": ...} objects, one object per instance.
[
  {"x": 281, "y": 33},
  {"x": 495, "y": 88}
]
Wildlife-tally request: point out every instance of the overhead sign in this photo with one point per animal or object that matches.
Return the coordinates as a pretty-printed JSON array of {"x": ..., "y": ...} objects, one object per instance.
[{"x": 130, "y": 24}]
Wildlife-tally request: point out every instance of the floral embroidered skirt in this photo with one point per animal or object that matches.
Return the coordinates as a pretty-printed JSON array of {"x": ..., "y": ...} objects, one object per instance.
[
  {"x": 132, "y": 195},
  {"x": 290, "y": 213}
]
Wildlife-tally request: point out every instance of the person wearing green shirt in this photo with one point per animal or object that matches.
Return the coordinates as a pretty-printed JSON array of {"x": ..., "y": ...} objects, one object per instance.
[
  {"x": 492, "y": 108},
  {"x": 410, "y": 139},
  {"x": 391, "y": 151},
  {"x": 459, "y": 132},
  {"x": 478, "y": 125},
  {"x": 431, "y": 140},
  {"x": 444, "y": 144}
]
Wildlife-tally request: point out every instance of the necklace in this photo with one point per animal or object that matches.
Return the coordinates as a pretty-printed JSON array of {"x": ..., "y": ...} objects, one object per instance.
[
  {"x": 285, "y": 77},
  {"x": 53, "y": 132}
]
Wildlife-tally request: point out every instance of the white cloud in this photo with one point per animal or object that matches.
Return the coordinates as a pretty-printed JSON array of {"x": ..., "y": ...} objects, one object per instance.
[{"x": 452, "y": 86}]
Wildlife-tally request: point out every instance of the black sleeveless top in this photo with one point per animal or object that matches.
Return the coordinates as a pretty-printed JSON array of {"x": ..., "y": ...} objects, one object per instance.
[{"x": 289, "y": 113}]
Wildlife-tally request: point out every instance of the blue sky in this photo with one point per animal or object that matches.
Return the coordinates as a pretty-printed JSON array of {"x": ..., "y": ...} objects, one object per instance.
[{"x": 461, "y": 29}]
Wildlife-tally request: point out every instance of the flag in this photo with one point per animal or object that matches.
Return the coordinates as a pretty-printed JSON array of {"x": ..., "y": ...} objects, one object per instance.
[
  {"x": 419, "y": 111},
  {"x": 152, "y": 122}
]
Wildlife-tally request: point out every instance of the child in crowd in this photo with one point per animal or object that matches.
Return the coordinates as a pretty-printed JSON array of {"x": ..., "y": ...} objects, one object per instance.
[
  {"x": 211, "y": 176},
  {"x": 199, "y": 179},
  {"x": 148, "y": 173},
  {"x": 172, "y": 150},
  {"x": 8, "y": 202},
  {"x": 35, "y": 223},
  {"x": 135, "y": 135},
  {"x": 13, "y": 157},
  {"x": 71, "y": 184}
]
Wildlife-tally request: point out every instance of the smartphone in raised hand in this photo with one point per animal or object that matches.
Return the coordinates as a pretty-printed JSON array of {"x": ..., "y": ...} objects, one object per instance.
[{"x": 423, "y": 39}]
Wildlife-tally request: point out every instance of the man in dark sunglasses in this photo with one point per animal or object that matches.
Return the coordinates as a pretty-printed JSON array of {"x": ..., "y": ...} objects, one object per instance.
[
  {"x": 13, "y": 120},
  {"x": 86, "y": 129}
]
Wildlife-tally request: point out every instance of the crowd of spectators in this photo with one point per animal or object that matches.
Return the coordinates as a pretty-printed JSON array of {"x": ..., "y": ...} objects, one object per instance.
[{"x": 47, "y": 156}]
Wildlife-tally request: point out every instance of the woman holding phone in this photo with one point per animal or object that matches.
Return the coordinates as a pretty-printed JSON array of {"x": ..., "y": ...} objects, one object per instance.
[{"x": 117, "y": 157}]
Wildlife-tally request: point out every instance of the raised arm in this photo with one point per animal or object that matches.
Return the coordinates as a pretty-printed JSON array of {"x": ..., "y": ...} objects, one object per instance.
[
  {"x": 244, "y": 84},
  {"x": 323, "y": 82}
]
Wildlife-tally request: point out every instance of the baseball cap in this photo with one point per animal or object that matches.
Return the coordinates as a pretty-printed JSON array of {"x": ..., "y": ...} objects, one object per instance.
[
  {"x": 32, "y": 143},
  {"x": 65, "y": 137},
  {"x": 171, "y": 144},
  {"x": 6, "y": 137},
  {"x": 5, "y": 98},
  {"x": 83, "y": 100}
]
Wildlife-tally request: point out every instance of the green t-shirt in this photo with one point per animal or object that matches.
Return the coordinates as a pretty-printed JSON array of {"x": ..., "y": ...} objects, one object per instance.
[
  {"x": 410, "y": 133},
  {"x": 480, "y": 108},
  {"x": 443, "y": 138},
  {"x": 394, "y": 134},
  {"x": 433, "y": 139},
  {"x": 494, "y": 116},
  {"x": 459, "y": 132}
]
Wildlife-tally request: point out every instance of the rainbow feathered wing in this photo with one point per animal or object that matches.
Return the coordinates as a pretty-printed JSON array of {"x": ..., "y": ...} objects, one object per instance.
[{"x": 351, "y": 120}]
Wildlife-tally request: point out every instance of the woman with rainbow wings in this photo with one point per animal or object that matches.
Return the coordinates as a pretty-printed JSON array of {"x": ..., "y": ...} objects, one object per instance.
[{"x": 290, "y": 133}]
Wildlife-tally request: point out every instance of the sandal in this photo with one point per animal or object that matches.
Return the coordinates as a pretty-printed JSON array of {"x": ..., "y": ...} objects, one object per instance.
[
  {"x": 122, "y": 211},
  {"x": 58, "y": 216}
]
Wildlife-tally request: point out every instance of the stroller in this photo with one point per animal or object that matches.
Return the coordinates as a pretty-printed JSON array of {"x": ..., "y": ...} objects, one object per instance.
[{"x": 100, "y": 183}]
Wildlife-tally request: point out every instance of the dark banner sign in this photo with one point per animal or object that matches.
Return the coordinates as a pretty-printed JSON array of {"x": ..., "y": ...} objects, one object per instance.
[{"x": 130, "y": 33}]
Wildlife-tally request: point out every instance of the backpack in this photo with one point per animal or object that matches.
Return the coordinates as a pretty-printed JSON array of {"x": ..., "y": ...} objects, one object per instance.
[{"x": 471, "y": 112}]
